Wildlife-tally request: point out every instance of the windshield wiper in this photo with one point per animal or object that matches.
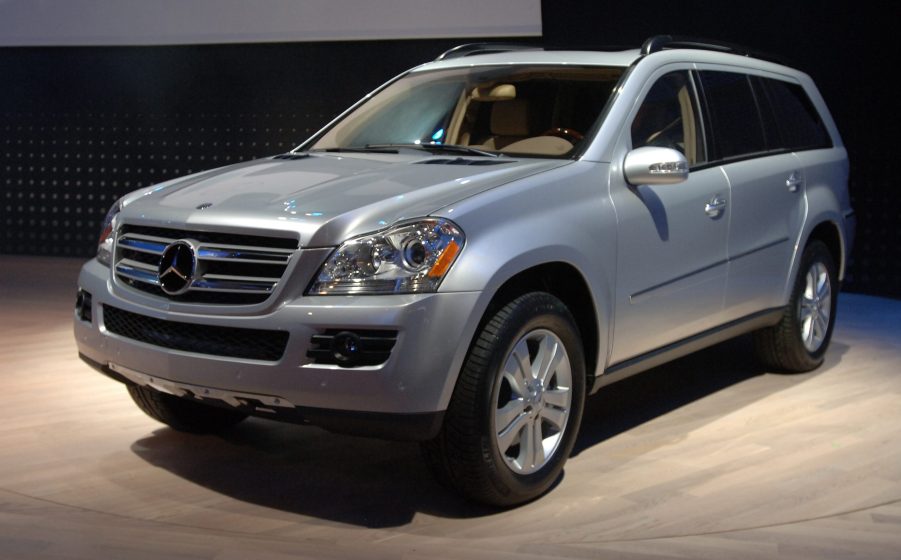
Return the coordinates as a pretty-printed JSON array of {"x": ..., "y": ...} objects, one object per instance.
[
  {"x": 386, "y": 149},
  {"x": 439, "y": 148}
]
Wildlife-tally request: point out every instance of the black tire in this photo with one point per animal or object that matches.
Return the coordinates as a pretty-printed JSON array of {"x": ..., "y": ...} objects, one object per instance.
[
  {"x": 181, "y": 414},
  {"x": 782, "y": 347},
  {"x": 466, "y": 454}
]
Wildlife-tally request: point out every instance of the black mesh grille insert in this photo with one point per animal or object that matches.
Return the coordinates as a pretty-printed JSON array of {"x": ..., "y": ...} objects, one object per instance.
[{"x": 254, "y": 344}]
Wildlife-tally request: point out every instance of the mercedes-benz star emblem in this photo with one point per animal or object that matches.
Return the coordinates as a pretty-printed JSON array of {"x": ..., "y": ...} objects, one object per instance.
[{"x": 177, "y": 268}]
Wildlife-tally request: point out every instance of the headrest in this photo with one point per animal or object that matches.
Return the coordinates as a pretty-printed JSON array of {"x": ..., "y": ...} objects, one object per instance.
[
  {"x": 510, "y": 118},
  {"x": 500, "y": 92}
]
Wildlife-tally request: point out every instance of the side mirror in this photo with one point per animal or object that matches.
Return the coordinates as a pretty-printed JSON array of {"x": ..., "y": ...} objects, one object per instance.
[{"x": 651, "y": 165}]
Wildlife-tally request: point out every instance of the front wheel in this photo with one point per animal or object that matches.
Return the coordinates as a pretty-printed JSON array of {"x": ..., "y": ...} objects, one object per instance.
[
  {"x": 516, "y": 409},
  {"x": 799, "y": 341}
]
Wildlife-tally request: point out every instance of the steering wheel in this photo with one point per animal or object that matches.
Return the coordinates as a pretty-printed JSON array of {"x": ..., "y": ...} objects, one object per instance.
[
  {"x": 667, "y": 136},
  {"x": 569, "y": 134}
]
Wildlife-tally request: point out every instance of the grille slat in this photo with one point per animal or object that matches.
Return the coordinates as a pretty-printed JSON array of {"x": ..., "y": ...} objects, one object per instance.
[
  {"x": 144, "y": 245},
  {"x": 126, "y": 262},
  {"x": 256, "y": 287},
  {"x": 242, "y": 254},
  {"x": 231, "y": 268},
  {"x": 252, "y": 344},
  {"x": 137, "y": 273},
  {"x": 250, "y": 279}
]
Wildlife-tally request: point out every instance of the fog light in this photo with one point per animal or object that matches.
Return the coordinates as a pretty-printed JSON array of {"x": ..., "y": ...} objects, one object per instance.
[{"x": 346, "y": 348}]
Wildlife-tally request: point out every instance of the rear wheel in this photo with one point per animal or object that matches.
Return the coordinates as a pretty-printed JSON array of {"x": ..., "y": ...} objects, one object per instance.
[
  {"x": 799, "y": 341},
  {"x": 517, "y": 405},
  {"x": 181, "y": 414}
]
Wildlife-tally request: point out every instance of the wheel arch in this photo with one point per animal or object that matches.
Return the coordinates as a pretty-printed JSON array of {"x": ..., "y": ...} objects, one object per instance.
[
  {"x": 829, "y": 234},
  {"x": 566, "y": 283}
]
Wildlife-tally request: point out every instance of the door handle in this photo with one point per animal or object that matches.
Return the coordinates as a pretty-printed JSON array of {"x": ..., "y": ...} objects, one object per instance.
[
  {"x": 794, "y": 181},
  {"x": 715, "y": 207}
]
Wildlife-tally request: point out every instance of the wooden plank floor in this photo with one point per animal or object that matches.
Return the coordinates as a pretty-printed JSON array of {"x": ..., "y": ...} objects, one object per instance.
[{"x": 708, "y": 457}]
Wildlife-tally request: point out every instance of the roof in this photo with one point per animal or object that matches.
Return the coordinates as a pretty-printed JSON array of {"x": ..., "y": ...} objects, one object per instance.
[
  {"x": 658, "y": 46},
  {"x": 578, "y": 58}
]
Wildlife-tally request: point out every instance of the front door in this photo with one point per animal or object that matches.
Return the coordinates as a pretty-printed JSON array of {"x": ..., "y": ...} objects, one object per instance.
[{"x": 672, "y": 241}]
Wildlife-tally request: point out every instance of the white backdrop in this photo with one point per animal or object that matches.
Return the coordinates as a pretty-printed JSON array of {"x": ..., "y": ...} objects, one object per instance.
[{"x": 167, "y": 22}]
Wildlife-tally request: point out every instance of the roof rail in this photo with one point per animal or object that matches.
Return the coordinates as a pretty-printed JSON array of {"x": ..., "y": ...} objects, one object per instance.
[
  {"x": 470, "y": 49},
  {"x": 663, "y": 42}
]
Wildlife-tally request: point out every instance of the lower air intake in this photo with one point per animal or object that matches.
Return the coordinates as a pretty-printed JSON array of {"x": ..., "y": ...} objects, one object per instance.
[{"x": 253, "y": 344}]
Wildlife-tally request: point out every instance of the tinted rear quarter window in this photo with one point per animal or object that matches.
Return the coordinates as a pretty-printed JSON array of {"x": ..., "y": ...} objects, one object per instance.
[
  {"x": 797, "y": 118},
  {"x": 734, "y": 116}
]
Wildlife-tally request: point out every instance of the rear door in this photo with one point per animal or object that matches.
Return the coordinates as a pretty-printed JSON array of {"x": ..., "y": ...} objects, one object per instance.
[{"x": 767, "y": 185}]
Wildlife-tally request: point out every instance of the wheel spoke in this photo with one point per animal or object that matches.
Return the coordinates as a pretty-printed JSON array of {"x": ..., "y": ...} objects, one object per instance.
[
  {"x": 556, "y": 416},
  {"x": 509, "y": 413},
  {"x": 806, "y": 310},
  {"x": 558, "y": 397},
  {"x": 806, "y": 315},
  {"x": 518, "y": 369},
  {"x": 546, "y": 362},
  {"x": 526, "y": 440},
  {"x": 819, "y": 329},
  {"x": 539, "y": 455},
  {"x": 824, "y": 290},
  {"x": 532, "y": 444},
  {"x": 810, "y": 285},
  {"x": 508, "y": 436}
]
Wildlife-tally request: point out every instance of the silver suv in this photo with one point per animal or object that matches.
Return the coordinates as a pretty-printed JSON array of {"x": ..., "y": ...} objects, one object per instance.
[{"x": 466, "y": 253}]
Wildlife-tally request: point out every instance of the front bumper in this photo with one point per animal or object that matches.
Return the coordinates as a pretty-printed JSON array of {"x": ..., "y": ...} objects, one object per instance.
[{"x": 412, "y": 388}]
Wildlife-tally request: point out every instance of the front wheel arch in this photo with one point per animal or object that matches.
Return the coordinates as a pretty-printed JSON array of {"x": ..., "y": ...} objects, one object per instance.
[{"x": 565, "y": 282}]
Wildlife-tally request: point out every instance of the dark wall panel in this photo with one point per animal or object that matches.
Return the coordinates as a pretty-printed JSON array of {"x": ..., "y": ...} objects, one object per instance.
[{"x": 80, "y": 127}]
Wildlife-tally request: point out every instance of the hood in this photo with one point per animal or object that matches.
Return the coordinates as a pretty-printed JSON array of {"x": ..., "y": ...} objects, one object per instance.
[{"x": 324, "y": 198}]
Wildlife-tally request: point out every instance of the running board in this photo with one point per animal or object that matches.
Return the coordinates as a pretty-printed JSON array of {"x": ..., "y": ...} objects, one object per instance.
[{"x": 638, "y": 364}]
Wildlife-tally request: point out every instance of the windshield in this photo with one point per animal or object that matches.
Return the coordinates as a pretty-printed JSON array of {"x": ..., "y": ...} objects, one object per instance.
[{"x": 541, "y": 111}]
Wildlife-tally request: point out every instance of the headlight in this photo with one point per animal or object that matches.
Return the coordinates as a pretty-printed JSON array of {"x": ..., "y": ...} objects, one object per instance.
[
  {"x": 105, "y": 243},
  {"x": 406, "y": 258}
]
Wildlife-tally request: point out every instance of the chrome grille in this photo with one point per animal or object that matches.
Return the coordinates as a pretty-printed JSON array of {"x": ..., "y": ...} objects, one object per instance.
[{"x": 230, "y": 268}]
